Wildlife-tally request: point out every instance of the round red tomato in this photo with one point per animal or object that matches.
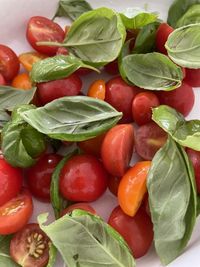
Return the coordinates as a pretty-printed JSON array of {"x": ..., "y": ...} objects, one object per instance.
[
  {"x": 80, "y": 206},
  {"x": 39, "y": 176},
  {"x": 162, "y": 35},
  {"x": 112, "y": 67},
  {"x": 15, "y": 214},
  {"x": 43, "y": 29},
  {"x": 49, "y": 91},
  {"x": 113, "y": 184},
  {"x": 9, "y": 63},
  {"x": 11, "y": 179},
  {"x": 83, "y": 178},
  {"x": 2, "y": 80},
  {"x": 193, "y": 77},
  {"x": 137, "y": 231}
]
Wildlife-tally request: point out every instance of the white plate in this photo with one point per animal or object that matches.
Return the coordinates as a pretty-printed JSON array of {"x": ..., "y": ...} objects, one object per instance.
[{"x": 14, "y": 15}]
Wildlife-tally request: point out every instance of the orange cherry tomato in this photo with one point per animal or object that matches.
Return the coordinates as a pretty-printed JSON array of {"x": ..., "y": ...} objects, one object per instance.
[
  {"x": 22, "y": 81},
  {"x": 28, "y": 59},
  {"x": 97, "y": 89},
  {"x": 132, "y": 187}
]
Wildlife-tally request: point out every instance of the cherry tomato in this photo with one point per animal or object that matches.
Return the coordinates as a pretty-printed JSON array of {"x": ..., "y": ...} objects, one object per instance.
[
  {"x": 117, "y": 149},
  {"x": 30, "y": 246},
  {"x": 181, "y": 99},
  {"x": 39, "y": 176},
  {"x": 97, "y": 89},
  {"x": 15, "y": 214},
  {"x": 80, "y": 206},
  {"x": 22, "y": 81},
  {"x": 28, "y": 59},
  {"x": 137, "y": 231},
  {"x": 112, "y": 67},
  {"x": 193, "y": 77},
  {"x": 49, "y": 91},
  {"x": 145, "y": 204},
  {"x": 11, "y": 179},
  {"x": 163, "y": 32},
  {"x": 62, "y": 51},
  {"x": 83, "y": 71},
  {"x": 113, "y": 184},
  {"x": 43, "y": 29},
  {"x": 120, "y": 95},
  {"x": 142, "y": 105},
  {"x": 2, "y": 80},
  {"x": 194, "y": 156},
  {"x": 149, "y": 138},
  {"x": 9, "y": 63},
  {"x": 83, "y": 178}
]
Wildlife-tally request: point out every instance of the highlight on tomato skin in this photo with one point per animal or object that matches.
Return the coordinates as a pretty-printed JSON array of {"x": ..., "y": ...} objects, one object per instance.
[{"x": 97, "y": 89}]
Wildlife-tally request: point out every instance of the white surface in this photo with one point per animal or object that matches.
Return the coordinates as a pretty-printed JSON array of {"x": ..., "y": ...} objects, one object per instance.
[{"x": 14, "y": 15}]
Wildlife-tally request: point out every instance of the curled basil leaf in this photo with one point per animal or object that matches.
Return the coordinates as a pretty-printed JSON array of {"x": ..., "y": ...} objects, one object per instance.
[{"x": 192, "y": 16}]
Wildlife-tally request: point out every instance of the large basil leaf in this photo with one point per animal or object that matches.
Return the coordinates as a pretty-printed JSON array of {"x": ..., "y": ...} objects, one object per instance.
[
  {"x": 183, "y": 46},
  {"x": 5, "y": 259},
  {"x": 172, "y": 199},
  {"x": 152, "y": 71},
  {"x": 186, "y": 133},
  {"x": 10, "y": 97},
  {"x": 192, "y": 16},
  {"x": 178, "y": 9},
  {"x": 58, "y": 67},
  {"x": 74, "y": 235},
  {"x": 75, "y": 118},
  {"x": 4, "y": 118},
  {"x": 72, "y": 8},
  {"x": 135, "y": 18}
]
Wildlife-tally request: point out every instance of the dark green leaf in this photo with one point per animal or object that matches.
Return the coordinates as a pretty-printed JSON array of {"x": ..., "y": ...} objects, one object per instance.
[
  {"x": 186, "y": 133},
  {"x": 84, "y": 231},
  {"x": 152, "y": 71},
  {"x": 5, "y": 259},
  {"x": 172, "y": 199},
  {"x": 4, "y": 118},
  {"x": 72, "y": 8},
  {"x": 192, "y": 16},
  {"x": 75, "y": 118}
]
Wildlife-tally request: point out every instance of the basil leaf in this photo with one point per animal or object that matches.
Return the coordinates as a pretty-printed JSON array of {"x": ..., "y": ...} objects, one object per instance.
[
  {"x": 72, "y": 8},
  {"x": 181, "y": 49},
  {"x": 75, "y": 118},
  {"x": 52, "y": 256},
  {"x": 172, "y": 200},
  {"x": 152, "y": 71},
  {"x": 186, "y": 133},
  {"x": 4, "y": 118},
  {"x": 178, "y": 9},
  {"x": 84, "y": 231},
  {"x": 10, "y": 97},
  {"x": 5, "y": 258},
  {"x": 58, "y": 67},
  {"x": 192, "y": 16}
]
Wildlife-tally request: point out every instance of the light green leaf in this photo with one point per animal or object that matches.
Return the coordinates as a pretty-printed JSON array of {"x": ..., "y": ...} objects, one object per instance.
[
  {"x": 5, "y": 259},
  {"x": 192, "y": 16}
]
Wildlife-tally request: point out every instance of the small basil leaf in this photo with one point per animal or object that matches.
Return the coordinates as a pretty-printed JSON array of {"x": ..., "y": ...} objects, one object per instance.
[
  {"x": 152, "y": 71},
  {"x": 172, "y": 199},
  {"x": 186, "y": 133},
  {"x": 84, "y": 231},
  {"x": 75, "y": 118},
  {"x": 4, "y": 118},
  {"x": 192, "y": 16},
  {"x": 58, "y": 67},
  {"x": 72, "y": 8},
  {"x": 5, "y": 258}
]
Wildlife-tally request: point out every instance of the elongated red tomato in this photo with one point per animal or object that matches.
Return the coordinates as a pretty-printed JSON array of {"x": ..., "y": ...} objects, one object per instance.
[
  {"x": 117, "y": 149},
  {"x": 193, "y": 77},
  {"x": 162, "y": 35}
]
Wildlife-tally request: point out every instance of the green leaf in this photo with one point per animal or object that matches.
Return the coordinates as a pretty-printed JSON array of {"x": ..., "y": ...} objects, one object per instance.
[
  {"x": 173, "y": 200},
  {"x": 74, "y": 235},
  {"x": 186, "y": 133},
  {"x": 183, "y": 46},
  {"x": 10, "y": 97},
  {"x": 178, "y": 9},
  {"x": 5, "y": 259},
  {"x": 72, "y": 8},
  {"x": 192, "y": 16},
  {"x": 52, "y": 256},
  {"x": 152, "y": 71},
  {"x": 58, "y": 67},
  {"x": 75, "y": 118},
  {"x": 135, "y": 18},
  {"x": 4, "y": 118}
]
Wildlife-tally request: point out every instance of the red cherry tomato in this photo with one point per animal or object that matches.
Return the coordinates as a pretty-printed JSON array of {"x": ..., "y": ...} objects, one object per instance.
[
  {"x": 39, "y": 176},
  {"x": 120, "y": 95},
  {"x": 9, "y": 63},
  {"x": 80, "y": 206},
  {"x": 193, "y": 77},
  {"x": 83, "y": 178},
  {"x": 30, "y": 246},
  {"x": 15, "y": 214},
  {"x": 117, "y": 149},
  {"x": 137, "y": 231},
  {"x": 113, "y": 184},
  {"x": 43, "y": 29},
  {"x": 162, "y": 35},
  {"x": 182, "y": 98},
  {"x": 49, "y": 91},
  {"x": 11, "y": 179},
  {"x": 112, "y": 68},
  {"x": 2, "y": 80},
  {"x": 62, "y": 51},
  {"x": 83, "y": 71},
  {"x": 142, "y": 105},
  {"x": 145, "y": 205}
]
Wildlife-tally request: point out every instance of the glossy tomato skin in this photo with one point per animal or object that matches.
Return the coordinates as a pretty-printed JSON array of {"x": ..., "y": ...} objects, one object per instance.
[
  {"x": 30, "y": 246},
  {"x": 137, "y": 231},
  {"x": 182, "y": 98},
  {"x": 49, "y": 91},
  {"x": 2, "y": 80},
  {"x": 11, "y": 180},
  {"x": 194, "y": 156},
  {"x": 43, "y": 29},
  {"x": 83, "y": 178},
  {"x": 15, "y": 214},
  {"x": 39, "y": 176},
  {"x": 80, "y": 206},
  {"x": 193, "y": 77},
  {"x": 163, "y": 32},
  {"x": 120, "y": 95},
  {"x": 9, "y": 63}
]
